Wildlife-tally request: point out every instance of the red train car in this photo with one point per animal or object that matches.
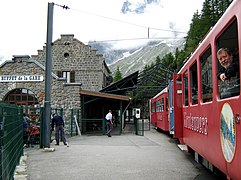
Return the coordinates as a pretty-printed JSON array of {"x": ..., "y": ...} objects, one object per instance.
[
  {"x": 159, "y": 110},
  {"x": 207, "y": 109},
  {"x": 211, "y": 110},
  {"x": 152, "y": 110}
]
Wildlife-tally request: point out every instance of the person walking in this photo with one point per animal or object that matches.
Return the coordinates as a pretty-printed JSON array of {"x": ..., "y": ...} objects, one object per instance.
[
  {"x": 109, "y": 123},
  {"x": 59, "y": 128}
]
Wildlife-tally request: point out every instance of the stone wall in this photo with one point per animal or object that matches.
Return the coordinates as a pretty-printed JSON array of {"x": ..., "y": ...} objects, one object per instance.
[
  {"x": 22, "y": 67},
  {"x": 66, "y": 97},
  {"x": 69, "y": 54},
  {"x": 29, "y": 67}
]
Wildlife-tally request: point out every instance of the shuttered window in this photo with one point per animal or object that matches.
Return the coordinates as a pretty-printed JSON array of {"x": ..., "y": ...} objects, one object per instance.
[
  {"x": 69, "y": 75},
  {"x": 72, "y": 76}
]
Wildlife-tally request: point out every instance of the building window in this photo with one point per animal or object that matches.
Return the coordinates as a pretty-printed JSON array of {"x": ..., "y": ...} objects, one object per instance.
[
  {"x": 69, "y": 75},
  {"x": 66, "y": 55}
]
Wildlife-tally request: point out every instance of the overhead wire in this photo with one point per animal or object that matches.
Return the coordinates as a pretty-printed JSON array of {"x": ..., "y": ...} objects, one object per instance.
[
  {"x": 133, "y": 39},
  {"x": 125, "y": 22}
]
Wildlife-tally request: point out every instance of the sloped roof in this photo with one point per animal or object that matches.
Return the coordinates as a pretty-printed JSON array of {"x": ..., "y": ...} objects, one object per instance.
[
  {"x": 104, "y": 95},
  {"x": 120, "y": 87}
]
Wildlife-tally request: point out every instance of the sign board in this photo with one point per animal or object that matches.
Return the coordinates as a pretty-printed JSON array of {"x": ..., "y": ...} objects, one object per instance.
[
  {"x": 22, "y": 78},
  {"x": 137, "y": 112}
]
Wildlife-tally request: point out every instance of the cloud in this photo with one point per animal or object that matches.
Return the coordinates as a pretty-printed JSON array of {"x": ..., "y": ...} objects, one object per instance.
[{"x": 24, "y": 23}]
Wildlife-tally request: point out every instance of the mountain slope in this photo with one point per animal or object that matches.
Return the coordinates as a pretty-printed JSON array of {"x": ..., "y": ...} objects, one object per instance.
[{"x": 137, "y": 60}]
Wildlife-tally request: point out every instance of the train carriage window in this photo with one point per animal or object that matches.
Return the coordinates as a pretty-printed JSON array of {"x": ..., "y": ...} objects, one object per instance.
[
  {"x": 162, "y": 104},
  {"x": 153, "y": 107},
  {"x": 158, "y": 106},
  {"x": 167, "y": 104},
  {"x": 186, "y": 89},
  {"x": 206, "y": 75},
  {"x": 194, "y": 84},
  {"x": 228, "y": 61}
]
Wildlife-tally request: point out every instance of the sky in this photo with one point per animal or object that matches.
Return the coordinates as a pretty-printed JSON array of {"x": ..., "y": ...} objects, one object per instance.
[{"x": 24, "y": 23}]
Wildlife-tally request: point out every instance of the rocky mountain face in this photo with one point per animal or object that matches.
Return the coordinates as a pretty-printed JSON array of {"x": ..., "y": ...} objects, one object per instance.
[{"x": 135, "y": 59}]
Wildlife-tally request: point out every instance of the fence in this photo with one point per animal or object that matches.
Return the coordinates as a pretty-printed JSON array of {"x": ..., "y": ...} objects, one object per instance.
[
  {"x": 11, "y": 139},
  {"x": 93, "y": 126},
  {"x": 72, "y": 126},
  {"x": 75, "y": 122}
]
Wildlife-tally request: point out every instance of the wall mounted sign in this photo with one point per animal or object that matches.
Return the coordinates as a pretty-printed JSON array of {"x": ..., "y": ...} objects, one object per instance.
[{"x": 22, "y": 78}]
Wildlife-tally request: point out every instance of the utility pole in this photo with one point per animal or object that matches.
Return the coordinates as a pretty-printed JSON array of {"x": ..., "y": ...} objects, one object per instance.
[
  {"x": 148, "y": 32},
  {"x": 48, "y": 79}
]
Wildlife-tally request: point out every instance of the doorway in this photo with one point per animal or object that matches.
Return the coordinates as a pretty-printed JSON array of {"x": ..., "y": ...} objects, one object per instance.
[{"x": 25, "y": 98}]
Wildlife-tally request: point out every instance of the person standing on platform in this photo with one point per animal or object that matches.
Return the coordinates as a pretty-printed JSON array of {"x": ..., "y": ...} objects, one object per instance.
[
  {"x": 59, "y": 128},
  {"x": 109, "y": 123},
  {"x": 25, "y": 127}
]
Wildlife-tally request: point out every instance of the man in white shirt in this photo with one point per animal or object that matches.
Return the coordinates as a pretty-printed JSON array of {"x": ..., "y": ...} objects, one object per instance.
[{"x": 109, "y": 123}]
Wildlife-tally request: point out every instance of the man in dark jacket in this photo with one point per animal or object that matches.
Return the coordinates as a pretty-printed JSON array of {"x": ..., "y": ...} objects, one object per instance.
[
  {"x": 228, "y": 74},
  {"x": 59, "y": 128},
  {"x": 229, "y": 68}
]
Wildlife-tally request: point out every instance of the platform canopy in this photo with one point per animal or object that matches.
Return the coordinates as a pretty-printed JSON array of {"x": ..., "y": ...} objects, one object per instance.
[{"x": 120, "y": 87}]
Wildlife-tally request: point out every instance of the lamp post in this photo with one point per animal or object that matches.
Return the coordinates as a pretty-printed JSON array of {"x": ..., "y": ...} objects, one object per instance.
[{"x": 48, "y": 69}]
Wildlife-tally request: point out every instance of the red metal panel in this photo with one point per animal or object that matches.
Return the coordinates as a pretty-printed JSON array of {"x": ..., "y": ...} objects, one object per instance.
[
  {"x": 231, "y": 145},
  {"x": 210, "y": 128},
  {"x": 177, "y": 104},
  {"x": 153, "y": 117},
  {"x": 162, "y": 117}
]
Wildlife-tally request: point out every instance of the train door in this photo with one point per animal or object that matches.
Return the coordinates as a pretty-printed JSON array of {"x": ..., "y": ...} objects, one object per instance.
[
  {"x": 153, "y": 117},
  {"x": 177, "y": 107},
  {"x": 171, "y": 108}
]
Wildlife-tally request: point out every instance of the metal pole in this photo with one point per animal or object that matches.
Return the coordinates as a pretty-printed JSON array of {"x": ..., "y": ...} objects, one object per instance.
[
  {"x": 48, "y": 69},
  {"x": 121, "y": 118}
]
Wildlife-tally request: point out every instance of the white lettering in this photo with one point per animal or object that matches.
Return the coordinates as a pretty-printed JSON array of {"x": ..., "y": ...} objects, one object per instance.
[
  {"x": 195, "y": 123},
  {"x": 24, "y": 78}
]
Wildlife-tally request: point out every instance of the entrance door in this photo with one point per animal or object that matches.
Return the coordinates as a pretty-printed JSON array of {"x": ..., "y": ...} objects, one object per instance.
[{"x": 25, "y": 98}]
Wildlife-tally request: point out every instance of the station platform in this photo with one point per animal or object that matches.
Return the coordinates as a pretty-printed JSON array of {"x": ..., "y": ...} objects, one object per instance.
[{"x": 121, "y": 157}]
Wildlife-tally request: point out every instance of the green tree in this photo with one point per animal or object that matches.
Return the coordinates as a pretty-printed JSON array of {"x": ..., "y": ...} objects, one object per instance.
[
  {"x": 118, "y": 75},
  {"x": 201, "y": 23},
  {"x": 155, "y": 76},
  {"x": 169, "y": 60}
]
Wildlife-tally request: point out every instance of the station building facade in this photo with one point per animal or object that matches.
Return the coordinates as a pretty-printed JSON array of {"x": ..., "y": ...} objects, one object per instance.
[{"x": 75, "y": 67}]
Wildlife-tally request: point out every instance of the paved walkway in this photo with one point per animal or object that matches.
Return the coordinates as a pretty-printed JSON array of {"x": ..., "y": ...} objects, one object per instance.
[{"x": 153, "y": 156}]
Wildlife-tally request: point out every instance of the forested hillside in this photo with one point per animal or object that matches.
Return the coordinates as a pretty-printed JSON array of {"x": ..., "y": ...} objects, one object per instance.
[
  {"x": 201, "y": 23},
  {"x": 155, "y": 76}
]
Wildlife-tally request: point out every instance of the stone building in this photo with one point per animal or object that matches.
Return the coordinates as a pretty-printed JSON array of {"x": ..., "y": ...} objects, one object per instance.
[{"x": 73, "y": 63}]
